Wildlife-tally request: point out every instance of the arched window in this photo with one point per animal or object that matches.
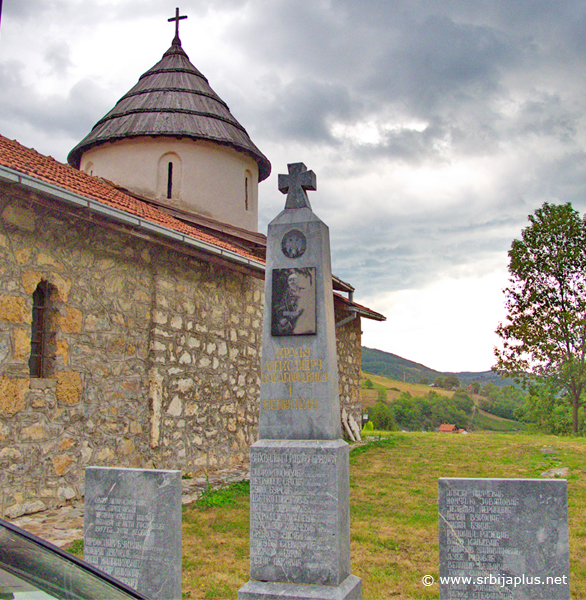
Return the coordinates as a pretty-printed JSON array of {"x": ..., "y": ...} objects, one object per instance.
[
  {"x": 41, "y": 342},
  {"x": 170, "y": 180},
  {"x": 169, "y": 176}
]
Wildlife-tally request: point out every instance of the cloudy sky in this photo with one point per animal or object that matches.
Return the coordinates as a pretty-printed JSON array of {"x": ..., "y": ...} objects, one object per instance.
[{"x": 434, "y": 127}]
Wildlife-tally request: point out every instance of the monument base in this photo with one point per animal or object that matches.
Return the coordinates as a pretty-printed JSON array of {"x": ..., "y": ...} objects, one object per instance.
[{"x": 349, "y": 589}]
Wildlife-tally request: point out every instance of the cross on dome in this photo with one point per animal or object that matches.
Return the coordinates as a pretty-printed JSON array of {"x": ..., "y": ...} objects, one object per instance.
[
  {"x": 295, "y": 183},
  {"x": 177, "y": 18}
]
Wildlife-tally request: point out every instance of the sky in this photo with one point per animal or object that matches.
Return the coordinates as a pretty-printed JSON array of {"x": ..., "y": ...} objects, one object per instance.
[{"x": 435, "y": 127}]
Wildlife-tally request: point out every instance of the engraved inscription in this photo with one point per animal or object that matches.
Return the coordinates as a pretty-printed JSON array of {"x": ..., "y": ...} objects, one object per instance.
[
  {"x": 293, "y": 510},
  {"x": 489, "y": 531},
  {"x": 121, "y": 527},
  {"x": 292, "y": 365}
]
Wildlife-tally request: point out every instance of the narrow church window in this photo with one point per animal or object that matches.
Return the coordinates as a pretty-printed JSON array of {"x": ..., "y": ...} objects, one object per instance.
[
  {"x": 169, "y": 175},
  {"x": 248, "y": 200},
  {"x": 170, "y": 180},
  {"x": 38, "y": 362},
  {"x": 246, "y": 192}
]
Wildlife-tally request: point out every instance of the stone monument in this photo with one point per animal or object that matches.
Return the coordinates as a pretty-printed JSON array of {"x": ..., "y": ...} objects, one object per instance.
[
  {"x": 132, "y": 528},
  {"x": 503, "y": 539},
  {"x": 299, "y": 482}
]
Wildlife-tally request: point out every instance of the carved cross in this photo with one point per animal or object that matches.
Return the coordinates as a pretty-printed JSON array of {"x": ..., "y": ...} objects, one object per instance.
[
  {"x": 177, "y": 18},
  {"x": 295, "y": 184}
]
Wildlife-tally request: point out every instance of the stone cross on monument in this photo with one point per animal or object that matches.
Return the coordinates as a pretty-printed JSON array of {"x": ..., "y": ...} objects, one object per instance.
[
  {"x": 177, "y": 18},
  {"x": 299, "y": 479},
  {"x": 295, "y": 184}
]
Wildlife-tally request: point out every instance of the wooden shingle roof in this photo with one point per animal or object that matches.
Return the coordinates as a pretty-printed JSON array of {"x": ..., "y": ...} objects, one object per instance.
[{"x": 172, "y": 99}]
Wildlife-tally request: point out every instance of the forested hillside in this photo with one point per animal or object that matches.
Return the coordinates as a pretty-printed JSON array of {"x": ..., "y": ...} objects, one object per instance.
[{"x": 395, "y": 367}]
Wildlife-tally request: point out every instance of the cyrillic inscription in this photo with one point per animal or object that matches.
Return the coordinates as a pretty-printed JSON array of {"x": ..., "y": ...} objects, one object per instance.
[
  {"x": 497, "y": 536},
  {"x": 293, "y": 509}
]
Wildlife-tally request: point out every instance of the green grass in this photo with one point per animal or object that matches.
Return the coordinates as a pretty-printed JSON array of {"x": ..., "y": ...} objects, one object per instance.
[
  {"x": 223, "y": 496},
  {"x": 393, "y": 506}
]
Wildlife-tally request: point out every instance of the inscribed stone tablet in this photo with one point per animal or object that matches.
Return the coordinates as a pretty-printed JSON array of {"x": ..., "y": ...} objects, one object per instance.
[
  {"x": 133, "y": 528},
  {"x": 299, "y": 512},
  {"x": 503, "y": 539}
]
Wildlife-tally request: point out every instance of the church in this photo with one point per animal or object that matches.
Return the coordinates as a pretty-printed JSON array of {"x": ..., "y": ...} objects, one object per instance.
[{"x": 131, "y": 295}]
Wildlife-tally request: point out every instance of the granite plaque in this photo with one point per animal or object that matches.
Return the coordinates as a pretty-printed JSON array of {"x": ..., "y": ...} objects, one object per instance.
[
  {"x": 293, "y": 301},
  {"x": 299, "y": 512},
  {"x": 132, "y": 523},
  {"x": 503, "y": 539}
]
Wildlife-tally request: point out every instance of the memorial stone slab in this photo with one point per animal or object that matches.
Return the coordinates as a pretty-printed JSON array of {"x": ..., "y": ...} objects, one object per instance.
[
  {"x": 503, "y": 539},
  {"x": 299, "y": 480},
  {"x": 132, "y": 523}
]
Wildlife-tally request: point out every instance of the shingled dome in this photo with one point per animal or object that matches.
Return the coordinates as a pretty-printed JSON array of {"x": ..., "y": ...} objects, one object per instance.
[{"x": 172, "y": 99}]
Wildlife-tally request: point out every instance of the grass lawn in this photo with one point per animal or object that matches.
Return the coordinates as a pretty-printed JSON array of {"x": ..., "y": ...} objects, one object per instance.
[{"x": 393, "y": 511}]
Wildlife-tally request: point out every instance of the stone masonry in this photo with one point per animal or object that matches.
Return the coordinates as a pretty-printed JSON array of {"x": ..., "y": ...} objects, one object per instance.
[{"x": 155, "y": 356}]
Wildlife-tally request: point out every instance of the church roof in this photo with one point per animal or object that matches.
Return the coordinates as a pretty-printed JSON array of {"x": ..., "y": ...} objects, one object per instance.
[
  {"x": 27, "y": 168},
  {"x": 71, "y": 185},
  {"x": 172, "y": 99}
]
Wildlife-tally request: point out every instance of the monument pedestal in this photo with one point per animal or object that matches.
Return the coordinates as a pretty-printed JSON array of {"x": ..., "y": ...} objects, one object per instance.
[
  {"x": 300, "y": 521},
  {"x": 349, "y": 589}
]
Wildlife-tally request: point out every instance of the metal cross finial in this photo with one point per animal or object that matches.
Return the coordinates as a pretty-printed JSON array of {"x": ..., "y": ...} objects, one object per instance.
[
  {"x": 177, "y": 18},
  {"x": 295, "y": 184}
]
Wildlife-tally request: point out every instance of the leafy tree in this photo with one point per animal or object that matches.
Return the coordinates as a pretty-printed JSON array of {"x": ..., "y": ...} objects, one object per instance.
[
  {"x": 430, "y": 411},
  {"x": 544, "y": 336},
  {"x": 452, "y": 382},
  {"x": 367, "y": 384},
  {"x": 546, "y": 409},
  {"x": 381, "y": 417},
  {"x": 505, "y": 402}
]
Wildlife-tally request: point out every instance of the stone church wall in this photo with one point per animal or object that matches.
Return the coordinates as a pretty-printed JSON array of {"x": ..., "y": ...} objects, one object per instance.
[
  {"x": 349, "y": 347},
  {"x": 155, "y": 360}
]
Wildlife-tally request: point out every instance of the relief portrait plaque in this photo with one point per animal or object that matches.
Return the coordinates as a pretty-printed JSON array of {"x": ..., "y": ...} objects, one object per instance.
[{"x": 293, "y": 302}]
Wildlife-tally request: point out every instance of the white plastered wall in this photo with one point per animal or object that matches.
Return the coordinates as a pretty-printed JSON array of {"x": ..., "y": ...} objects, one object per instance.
[{"x": 208, "y": 179}]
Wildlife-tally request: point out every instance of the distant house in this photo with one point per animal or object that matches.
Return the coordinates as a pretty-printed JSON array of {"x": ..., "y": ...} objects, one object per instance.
[{"x": 448, "y": 428}]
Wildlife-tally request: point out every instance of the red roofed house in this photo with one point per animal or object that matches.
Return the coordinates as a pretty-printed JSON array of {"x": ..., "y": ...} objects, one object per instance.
[
  {"x": 131, "y": 295},
  {"x": 447, "y": 428}
]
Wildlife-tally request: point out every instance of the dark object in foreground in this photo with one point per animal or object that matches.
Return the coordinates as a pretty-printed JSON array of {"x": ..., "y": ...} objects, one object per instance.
[{"x": 31, "y": 565}]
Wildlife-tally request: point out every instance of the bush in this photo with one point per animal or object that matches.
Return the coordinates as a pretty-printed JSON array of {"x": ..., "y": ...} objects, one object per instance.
[
  {"x": 368, "y": 427},
  {"x": 381, "y": 417}
]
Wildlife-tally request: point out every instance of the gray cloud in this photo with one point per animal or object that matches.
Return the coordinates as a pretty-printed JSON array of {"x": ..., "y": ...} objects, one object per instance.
[
  {"x": 57, "y": 56},
  {"x": 304, "y": 109},
  {"x": 72, "y": 113},
  {"x": 372, "y": 95}
]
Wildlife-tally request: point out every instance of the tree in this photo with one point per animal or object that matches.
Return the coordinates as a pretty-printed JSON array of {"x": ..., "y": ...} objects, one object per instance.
[
  {"x": 452, "y": 382},
  {"x": 544, "y": 336}
]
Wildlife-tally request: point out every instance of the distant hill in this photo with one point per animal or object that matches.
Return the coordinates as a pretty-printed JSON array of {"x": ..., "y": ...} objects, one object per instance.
[{"x": 390, "y": 365}]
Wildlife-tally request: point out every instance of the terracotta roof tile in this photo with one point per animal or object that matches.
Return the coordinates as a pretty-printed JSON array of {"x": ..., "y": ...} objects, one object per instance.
[{"x": 45, "y": 168}]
